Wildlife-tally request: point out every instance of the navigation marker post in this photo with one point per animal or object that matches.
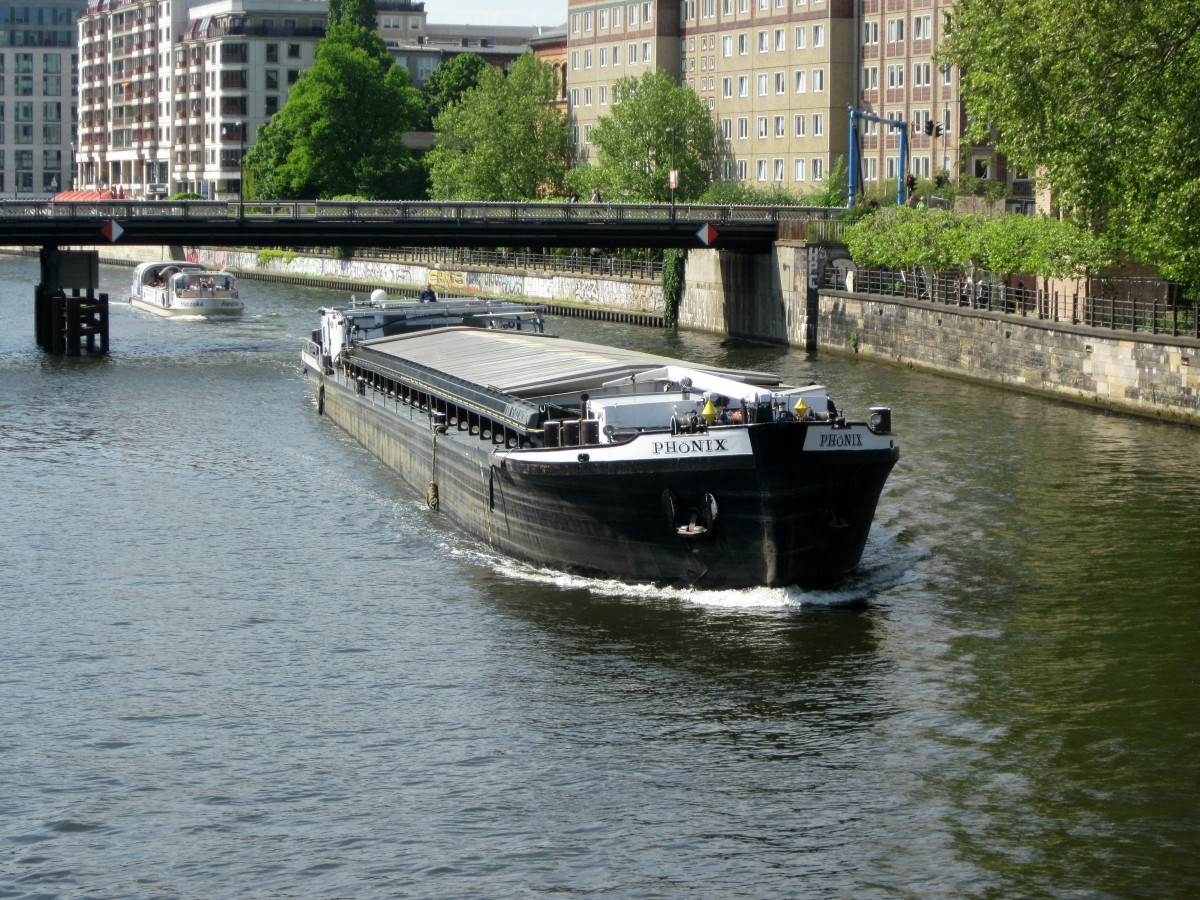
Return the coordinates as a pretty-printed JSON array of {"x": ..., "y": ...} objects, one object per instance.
[
  {"x": 112, "y": 230},
  {"x": 707, "y": 235}
]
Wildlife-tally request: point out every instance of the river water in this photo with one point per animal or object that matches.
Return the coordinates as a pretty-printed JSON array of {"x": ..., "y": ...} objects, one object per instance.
[{"x": 239, "y": 659}]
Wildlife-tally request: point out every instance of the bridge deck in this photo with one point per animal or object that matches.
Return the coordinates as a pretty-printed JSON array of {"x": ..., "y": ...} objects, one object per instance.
[{"x": 401, "y": 224}]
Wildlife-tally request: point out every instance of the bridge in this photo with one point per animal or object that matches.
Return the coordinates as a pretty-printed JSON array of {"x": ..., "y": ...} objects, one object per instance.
[
  {"x": 63, "y": 320},
  {"x": 402, "y": 224}
]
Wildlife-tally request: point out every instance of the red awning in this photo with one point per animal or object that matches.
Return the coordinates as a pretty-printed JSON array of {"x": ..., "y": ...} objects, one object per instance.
[{"x": 83, "y": 196}]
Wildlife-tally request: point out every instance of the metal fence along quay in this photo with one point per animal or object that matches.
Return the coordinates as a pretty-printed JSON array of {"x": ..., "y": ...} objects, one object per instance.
[{"x": 1141, "y": 305}]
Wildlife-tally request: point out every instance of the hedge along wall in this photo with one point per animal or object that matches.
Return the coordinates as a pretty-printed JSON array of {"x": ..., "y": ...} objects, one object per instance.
[{"x": 629, "y": 296}]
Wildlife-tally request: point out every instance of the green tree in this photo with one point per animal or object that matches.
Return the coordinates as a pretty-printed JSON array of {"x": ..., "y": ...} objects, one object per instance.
[
  {"x": 363, "y": 13},
  {"x": 321, "y": 144},
  {"x": 634, "y": 142},
  {"x": 504, "y": 140},
  {"x": 1102, "y": 101},
  {"x": 450, "y": 80}
]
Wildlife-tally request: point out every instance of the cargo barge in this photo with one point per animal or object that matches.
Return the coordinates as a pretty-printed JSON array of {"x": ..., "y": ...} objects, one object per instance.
[{"x": 601, "y": 461}]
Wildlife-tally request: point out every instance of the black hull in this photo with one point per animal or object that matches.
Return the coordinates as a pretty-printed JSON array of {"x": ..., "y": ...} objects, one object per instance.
[{"x": 783, "y": 517}]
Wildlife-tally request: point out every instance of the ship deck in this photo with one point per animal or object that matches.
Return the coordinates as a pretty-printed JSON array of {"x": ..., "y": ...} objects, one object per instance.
[{"x": 523, "y": 365}]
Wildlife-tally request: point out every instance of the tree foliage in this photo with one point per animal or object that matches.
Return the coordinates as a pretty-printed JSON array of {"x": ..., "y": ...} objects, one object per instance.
[
  {"x": 339, "y": 132},
  {"x": 634, "y": 144},
  {"x": 829, "y": 191},
  {"x": 1102, "y": 100},
  {"x": 503, "y": 140},
  {"x": 905, "y": 239},
  {"x": 363, "y": 13},
  {"x": 450, "y": 80}
]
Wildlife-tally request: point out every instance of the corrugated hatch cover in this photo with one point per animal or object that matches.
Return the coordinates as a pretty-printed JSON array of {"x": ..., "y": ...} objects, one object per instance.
[{"x": 524, "y": 364}]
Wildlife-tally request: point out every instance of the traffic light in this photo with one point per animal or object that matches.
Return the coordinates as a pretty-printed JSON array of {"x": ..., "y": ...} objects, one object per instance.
[
  {"x": 911, "y": 181},
  {"x": 937, "y": 130},
  {"x": 929, "y": 126},
  {"x": 941, "y": 181}
]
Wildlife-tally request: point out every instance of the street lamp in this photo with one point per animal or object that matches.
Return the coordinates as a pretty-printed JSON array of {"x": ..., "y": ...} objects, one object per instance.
[{"x": 673, "y": 176}]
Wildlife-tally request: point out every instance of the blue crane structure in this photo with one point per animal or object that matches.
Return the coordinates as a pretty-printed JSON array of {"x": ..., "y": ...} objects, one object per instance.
[{"x": 855, "y": 174}]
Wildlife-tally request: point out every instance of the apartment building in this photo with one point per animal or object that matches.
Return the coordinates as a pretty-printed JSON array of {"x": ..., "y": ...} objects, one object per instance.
[
  {"x": 171, "y": 93},
  {"x": 38, "y": 65},
  {"x": 607, "y": 41},
  {"x": 778, "y": 77}
]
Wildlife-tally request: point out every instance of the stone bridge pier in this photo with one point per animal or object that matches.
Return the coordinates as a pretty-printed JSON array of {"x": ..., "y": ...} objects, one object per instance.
[{"x": 759, "y": 296}]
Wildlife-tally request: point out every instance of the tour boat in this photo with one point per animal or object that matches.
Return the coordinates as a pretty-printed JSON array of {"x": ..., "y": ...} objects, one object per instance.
[
  {"x": 173, "y": 288},
  {"x": 601, "y": 461}
]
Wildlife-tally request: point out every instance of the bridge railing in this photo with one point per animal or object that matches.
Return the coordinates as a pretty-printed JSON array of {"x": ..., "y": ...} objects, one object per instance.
[{"x": 331, "y": 210}]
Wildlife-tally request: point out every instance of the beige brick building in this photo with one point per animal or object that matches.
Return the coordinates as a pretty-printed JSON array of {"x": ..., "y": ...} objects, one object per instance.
[{"x": 778, "y": 77}]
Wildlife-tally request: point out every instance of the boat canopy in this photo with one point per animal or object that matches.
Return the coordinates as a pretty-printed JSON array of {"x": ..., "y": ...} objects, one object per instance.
[{"x": 525, "y": 364}]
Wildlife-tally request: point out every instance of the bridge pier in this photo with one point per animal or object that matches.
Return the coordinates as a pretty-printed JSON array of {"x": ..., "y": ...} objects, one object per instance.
[
  {"x": 758, "y": 296},
  {"x": 65, "y": 323}
]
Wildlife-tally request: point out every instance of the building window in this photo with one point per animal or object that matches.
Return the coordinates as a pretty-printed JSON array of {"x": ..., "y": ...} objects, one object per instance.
[
  {"x": 922, "y": 28},
  {"x": 779, "y": 170},
  {"x": 760, "y": 169},
  {"x": 818, "y": 168},
  {"x": 798, "y": 175},
  {"x": 763, "y": 84},
  {"x": 818, "y": 80},
  {"x": 870, "y": 33},
  {"x": 780, "y": 82},
  {"x": 741, "y": 169},
  {"x": 801, "y": 82},
  {"x": 921, "y": 74},
  {"x": 780, "y": 129},
  {"x": 800, "y": 126},
  {"x": 801, "y": 37},
  {"x": 272, "y": 53},
  {"x": 818, "y": 35},
  {"x": 726, "y": 129},
  {"x": 727, "y": 88},
  {"x": 743, "y": 44},
  {"x": 293, "y": 51},
  {"x": 895, "y": 31},
  {"x": 870, "y": 78},
  {"x": 743, "y": 85},
  {"x": 762, "y": 127},
  {"x": 818, "y": 123},
  {"x": 780, "y": 40},
  {"x": 743, "y": 128},
  {"x": 763, "y": 45}
]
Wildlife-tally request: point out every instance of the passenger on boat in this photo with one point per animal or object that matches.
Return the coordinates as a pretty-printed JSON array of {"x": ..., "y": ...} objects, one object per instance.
[{"x": 427, "y": 295}]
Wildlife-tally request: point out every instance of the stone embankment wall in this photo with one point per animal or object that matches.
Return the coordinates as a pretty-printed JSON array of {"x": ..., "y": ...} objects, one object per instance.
[
  {"x": 1149, "y": 375},
  {"x": 624, "y": 295}
]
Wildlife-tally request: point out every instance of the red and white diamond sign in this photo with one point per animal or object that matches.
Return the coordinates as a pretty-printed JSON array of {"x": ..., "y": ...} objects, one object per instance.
[
  {"x": 707, "y": 235},
  {"x": 112, "y": 230}
]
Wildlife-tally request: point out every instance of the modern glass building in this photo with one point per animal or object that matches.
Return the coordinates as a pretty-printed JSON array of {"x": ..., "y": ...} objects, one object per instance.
[{"x": 38, "y": 71}]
